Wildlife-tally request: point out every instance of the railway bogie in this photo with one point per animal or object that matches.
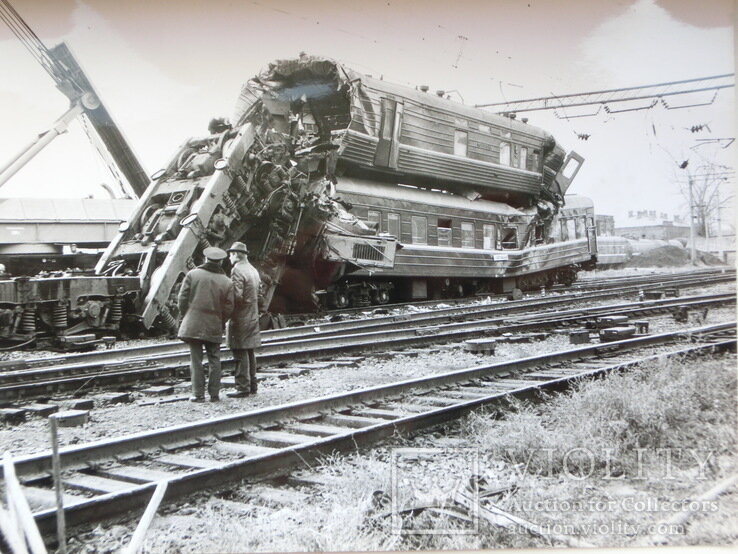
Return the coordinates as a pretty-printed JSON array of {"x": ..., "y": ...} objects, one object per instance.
[{"x": 49, "y": 307}]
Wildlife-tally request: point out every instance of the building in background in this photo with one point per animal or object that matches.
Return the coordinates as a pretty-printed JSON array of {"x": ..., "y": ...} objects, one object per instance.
[{"x": 650, "y": 224}]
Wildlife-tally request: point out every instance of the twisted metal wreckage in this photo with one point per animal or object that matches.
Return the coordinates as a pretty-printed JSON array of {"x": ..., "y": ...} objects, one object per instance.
[{"x": 270, "y": 179}]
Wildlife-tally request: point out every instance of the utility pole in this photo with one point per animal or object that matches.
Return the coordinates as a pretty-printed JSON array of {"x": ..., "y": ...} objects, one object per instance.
[
  {"x": 692, "y": 249},
  {"x": 721, "y": 252}
]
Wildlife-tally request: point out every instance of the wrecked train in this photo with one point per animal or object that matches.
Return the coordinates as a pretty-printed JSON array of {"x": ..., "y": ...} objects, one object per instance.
[{"x": 340, "y": 184}]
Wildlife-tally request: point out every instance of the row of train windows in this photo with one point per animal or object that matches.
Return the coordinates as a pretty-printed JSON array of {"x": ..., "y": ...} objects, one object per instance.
[
  {"x": 507, "y": 239},
  {"x": 569, "y": 229},
  {"x": 512, "y": 155},
  {"x": 573, "y": 227}
]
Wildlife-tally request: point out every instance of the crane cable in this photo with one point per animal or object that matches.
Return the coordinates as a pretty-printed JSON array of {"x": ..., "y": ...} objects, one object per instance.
[{"x": 34, "y": 45}]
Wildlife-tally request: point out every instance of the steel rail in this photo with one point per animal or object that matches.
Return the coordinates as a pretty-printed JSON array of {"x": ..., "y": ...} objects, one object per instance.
[
  {"x": 650, "y": 278},
  {"x": 390, "y": 335},
  {"x": 324, "y": 329},
  {"x": 322, "y": 341},
  {"x": 454, "y": 393},
  {"x": 650, "y": 281}
]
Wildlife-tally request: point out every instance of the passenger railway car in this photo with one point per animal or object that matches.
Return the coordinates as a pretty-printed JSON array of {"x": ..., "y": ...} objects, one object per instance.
[
  {"x": 613, "y": 252},
  {"x": 395, "y": 133},
  {"x": 453, "y": 246}
]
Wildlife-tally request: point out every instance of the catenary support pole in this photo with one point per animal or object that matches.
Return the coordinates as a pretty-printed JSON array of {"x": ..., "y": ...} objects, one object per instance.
[{"x": 692, "y": 247}]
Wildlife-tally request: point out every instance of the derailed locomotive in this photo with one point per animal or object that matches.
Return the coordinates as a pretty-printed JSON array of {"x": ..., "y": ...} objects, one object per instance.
[{"x": 338, "y": 183}]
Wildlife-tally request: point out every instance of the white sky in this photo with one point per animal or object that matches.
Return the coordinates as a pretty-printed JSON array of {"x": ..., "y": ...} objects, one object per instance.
[{"x": 163, "y": 69}]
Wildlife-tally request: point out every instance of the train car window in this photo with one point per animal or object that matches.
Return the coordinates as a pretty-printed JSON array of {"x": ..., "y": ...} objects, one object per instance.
[
  {"x": 467, "y": 234},
  {"x": 444, "y": 232},
  {"x": 484, "y": 128},
  {"x": 504, "y": 153},
  {"x": 564, "y": 232},
  {"x": 571, "y": 228},
  {"x": 571, "y": 168},
  {"x": 375, "y": 219},
  {"x": 580, "y": 228},
  {"x": 539, "y": 235},
  {"x": 461, "y": 139},
  {"x": 534, "y": 157},
  {"x": 388, "y": 118},
  {"x": 489, "y": 236},
  {"x": 509, "y": 238},
  {"x": 393, "y": 225},
  {"x": 523, "y": 160},
  {"x": 420, "y": 229}
]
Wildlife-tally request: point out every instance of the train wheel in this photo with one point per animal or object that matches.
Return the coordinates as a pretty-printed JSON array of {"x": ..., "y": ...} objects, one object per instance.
[
  {"x": 381, "y": 296},
  {"x": 342, "y": 300}
]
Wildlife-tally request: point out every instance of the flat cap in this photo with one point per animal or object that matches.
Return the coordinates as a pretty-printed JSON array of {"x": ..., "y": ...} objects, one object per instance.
[
  {"x": 214, "y": 253},
  {"x": 238, "y": 247}
]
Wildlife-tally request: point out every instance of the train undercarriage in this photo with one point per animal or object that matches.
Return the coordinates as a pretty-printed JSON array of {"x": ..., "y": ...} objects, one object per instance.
[{"x": 365, "y": 293}]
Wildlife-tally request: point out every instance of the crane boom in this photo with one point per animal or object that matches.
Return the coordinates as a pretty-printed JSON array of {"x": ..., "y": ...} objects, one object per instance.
[
  {"x": 71, "y": 80},
  {"x": 108, "y": 131}
]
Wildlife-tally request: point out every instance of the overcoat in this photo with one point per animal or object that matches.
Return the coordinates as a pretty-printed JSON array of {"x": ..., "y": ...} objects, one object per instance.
[
  {"x": 205, "y": 303},
  {"x": 243, "y": 328}
]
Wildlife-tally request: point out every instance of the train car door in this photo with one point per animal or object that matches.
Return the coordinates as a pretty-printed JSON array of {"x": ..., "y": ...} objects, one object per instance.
[
  {"x": 568, "y": 171},
  {"x": 388, "y": 147},
  {"x": 591, "y": 235}
]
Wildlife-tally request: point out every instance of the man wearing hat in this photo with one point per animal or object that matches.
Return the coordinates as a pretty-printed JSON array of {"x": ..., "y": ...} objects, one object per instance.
[
  {"x": 205, "y": 304},
  {"x": 242, "y": 332}
]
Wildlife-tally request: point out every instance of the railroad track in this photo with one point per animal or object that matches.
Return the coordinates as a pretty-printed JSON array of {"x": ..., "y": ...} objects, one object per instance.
[
  {"x": 651, "y": 278},
  {"x": 340, "y": 340},
  {"x": 341, "y": 327},
  {"x": 114, "y": 477},
  {"x": 646, "y": 282}
]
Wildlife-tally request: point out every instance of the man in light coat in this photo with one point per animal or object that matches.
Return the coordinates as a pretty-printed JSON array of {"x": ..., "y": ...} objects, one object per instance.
[
  {"x": 205, "y": 304},
  {"x": 242, "y": 332}
]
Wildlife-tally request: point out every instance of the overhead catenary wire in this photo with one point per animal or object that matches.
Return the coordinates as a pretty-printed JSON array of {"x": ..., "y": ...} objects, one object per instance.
[{"x": 622, "y": 94}]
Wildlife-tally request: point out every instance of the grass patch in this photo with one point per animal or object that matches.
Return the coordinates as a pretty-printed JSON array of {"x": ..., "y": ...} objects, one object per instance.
[{"x": 607, "y": 426}]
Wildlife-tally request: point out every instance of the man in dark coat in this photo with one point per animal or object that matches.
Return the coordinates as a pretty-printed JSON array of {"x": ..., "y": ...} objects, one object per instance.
[
  {"x": 242, "y": 332},
  {"x": 205, "y": 304}
]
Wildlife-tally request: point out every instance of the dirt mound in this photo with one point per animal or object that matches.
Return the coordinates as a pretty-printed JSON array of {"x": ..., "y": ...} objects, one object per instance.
[
  {"x": 708, "y": 259},
  {"x": 670, "y": 256}
]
